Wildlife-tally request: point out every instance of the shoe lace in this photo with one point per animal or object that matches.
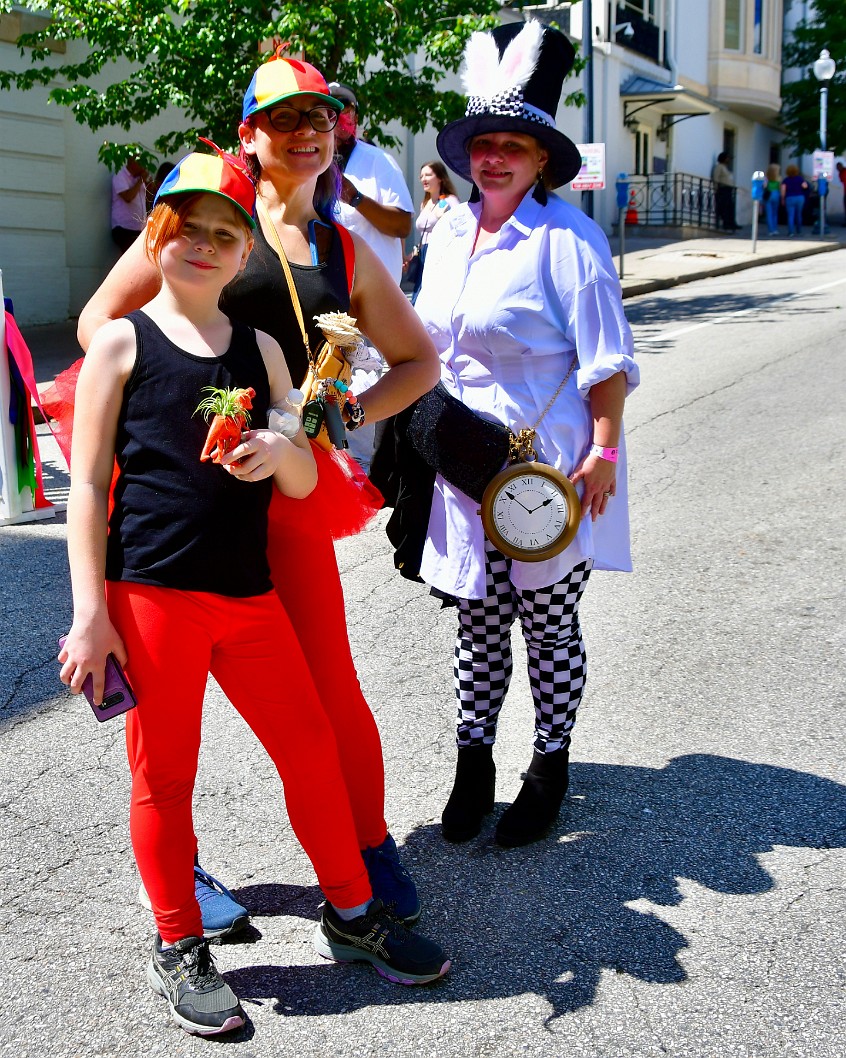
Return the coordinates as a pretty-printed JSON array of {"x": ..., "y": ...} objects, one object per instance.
[
  {"x": 199, "y": 966},
  {"x": 209, "y": 888},
  {"x": 383, "y": 920}
]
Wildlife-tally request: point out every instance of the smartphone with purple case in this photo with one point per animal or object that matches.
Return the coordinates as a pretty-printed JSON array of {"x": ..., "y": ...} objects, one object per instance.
[{"x": 118, "y": 696}]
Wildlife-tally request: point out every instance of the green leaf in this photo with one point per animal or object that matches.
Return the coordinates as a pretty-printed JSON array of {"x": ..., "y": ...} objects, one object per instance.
[
  {"x": 800, "y": 109},
  {"x": 199, "y": 55}
]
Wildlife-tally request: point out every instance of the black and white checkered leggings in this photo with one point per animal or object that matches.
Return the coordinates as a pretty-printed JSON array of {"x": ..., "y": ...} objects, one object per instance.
[{"x": 556, "y": 654}]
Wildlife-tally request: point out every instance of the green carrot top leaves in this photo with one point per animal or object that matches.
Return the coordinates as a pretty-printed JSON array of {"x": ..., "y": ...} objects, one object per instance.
[
  {"x": 227, "y": 403},
  {"x": 229, "y": 412}
]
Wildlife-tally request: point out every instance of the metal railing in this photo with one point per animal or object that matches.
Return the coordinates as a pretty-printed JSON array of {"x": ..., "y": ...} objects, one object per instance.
[
  {"x": 674, "y": 200},
  {"x": 646, "y": 37}
]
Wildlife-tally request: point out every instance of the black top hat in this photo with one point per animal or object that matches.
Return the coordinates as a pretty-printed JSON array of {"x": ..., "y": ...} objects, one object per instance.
[{"x": 513, "y": 77}]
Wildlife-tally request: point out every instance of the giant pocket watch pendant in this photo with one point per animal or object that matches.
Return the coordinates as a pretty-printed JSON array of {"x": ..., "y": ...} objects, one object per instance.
[{"x": 530, "y": 511}]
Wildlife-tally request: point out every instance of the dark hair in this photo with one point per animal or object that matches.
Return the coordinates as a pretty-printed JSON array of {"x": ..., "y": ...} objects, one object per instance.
[
  {"x": 327, "y": 189},
  {"x": 447, "y": 186},
  {"x": 723, "y": 157},
  {"x": 163, "y": 170}
]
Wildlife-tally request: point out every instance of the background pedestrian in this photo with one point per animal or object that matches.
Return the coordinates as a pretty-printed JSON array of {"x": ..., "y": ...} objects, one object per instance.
[
  {"x": 375, "y": 203},
  {"x": 129, "y": 203},
  {"x": 724, "y": 190},
  {"x": 439, "y": 196},
  {"x": 772, "y": 197},
  {"x": 794, "y": 191}
]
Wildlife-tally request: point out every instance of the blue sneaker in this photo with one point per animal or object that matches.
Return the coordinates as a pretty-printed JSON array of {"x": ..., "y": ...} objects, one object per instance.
[
  {"x": 222, "y": 914},
  {"x": 390, "y": 881}
]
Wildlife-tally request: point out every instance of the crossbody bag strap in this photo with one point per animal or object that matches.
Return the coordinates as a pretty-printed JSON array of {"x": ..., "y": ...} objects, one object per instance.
[
  {"x": 348, "y": 247},
  {"x": 521, "y": 444},
  {"x": 269, "y": 226}
]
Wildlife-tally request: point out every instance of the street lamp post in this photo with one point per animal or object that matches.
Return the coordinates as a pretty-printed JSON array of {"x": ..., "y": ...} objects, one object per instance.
[
  {"x": 824, "y": 69},
  {"x": 587, "y": 50}
]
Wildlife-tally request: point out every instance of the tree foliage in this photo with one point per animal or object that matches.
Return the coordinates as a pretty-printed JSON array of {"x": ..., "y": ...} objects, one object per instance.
[
  {"x": 800, "y": 112},
  {"x": 199, "y": 55}
]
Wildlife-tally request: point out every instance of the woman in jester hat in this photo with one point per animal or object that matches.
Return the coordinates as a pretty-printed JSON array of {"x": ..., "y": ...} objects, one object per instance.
[{"x": 287, "y": 144}]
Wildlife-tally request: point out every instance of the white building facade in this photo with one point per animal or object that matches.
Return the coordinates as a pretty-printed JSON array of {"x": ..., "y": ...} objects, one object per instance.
[
  {"x": 674, "y": 83},
  {"x": 55, "y": 196}
]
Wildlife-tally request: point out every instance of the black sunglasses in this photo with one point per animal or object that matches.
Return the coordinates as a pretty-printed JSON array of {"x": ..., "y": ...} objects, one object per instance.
[{"x": 286, "y": 119}]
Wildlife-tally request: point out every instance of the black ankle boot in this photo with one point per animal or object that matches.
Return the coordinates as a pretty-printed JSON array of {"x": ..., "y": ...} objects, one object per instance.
[
  {"x": 536, "y": 806},
  {"x": 472, "y": 796}
]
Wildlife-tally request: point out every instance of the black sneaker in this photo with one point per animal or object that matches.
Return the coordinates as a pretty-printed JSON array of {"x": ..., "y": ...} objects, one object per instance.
[
  {"x": 200, "y": 1000},
  {"x": 380, "y": 938}
]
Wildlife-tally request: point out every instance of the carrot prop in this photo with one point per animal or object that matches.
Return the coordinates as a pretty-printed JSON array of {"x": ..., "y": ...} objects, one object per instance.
[{"x": 229, "y": 412}]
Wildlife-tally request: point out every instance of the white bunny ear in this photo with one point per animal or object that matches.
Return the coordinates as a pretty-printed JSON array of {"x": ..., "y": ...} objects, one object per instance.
[
  {"x": 521, "y": 56},
  {"x": 481, "y": 64}
]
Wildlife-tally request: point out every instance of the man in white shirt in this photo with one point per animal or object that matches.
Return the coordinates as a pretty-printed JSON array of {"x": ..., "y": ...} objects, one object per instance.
[
  {"x": 129, "y": 203},
  {"x": 376, "y": 204},
  {"x": 375, "y": 200}
]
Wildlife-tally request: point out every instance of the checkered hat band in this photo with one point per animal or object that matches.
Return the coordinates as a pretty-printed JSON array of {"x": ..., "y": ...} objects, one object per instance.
[{"x": 507, "y": 104}]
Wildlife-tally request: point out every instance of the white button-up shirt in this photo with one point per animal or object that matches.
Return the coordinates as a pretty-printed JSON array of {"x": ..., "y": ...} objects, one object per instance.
[{"x": 507, "y": 322}]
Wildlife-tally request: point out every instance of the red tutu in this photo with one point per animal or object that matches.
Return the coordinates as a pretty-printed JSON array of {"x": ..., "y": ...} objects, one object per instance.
[
  {"x": 57, "y": 401},
  {"x": 344, "y": 500}
]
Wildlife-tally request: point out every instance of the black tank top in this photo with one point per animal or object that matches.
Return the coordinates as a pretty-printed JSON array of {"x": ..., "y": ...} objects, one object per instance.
[
  {"x": 177, "y": 522},
  {"x": 260, "y": 297}
]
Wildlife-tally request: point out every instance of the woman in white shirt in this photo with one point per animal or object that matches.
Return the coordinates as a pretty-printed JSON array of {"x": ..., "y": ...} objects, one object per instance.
[
  {"x": 521, "y": 290},
  {"x": 439, "y": 196}
]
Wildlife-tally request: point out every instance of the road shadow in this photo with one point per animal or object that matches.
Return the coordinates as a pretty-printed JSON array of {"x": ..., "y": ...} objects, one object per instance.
[
  {"x": 650, "y": 312},
  {"x": 56, "y": 480},
  {"x": 36, "y": 603},
  {"x": 272, "y": 899},
  {"x": 548, "y": 919}
]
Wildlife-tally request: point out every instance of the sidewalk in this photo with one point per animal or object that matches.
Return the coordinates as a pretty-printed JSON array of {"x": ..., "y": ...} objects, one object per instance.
[{"x": 649, "y": 264}]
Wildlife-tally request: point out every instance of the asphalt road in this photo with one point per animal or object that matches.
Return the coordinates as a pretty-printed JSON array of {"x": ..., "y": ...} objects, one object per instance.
[{"x": 690, "y": 901}]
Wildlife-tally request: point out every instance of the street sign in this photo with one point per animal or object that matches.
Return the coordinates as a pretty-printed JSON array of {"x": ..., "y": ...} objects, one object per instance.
[
  {"x": 823, "y": 164},
  {"x": 591, "y": 176}
]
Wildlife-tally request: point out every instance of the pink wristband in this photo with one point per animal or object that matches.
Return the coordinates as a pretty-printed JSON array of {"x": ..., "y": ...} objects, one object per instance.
[{"x": 604, "y": 453}]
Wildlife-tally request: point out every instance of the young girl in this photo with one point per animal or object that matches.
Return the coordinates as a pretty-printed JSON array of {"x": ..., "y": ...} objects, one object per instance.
[{"x": 179, "y": 587}]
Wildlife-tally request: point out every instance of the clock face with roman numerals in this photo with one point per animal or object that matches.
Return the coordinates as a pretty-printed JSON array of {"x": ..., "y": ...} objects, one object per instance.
[{"x": 530, "y": 511}]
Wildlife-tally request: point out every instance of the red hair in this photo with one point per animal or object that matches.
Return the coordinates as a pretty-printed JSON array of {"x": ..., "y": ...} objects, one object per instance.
[{"x": 168, "y": 216}]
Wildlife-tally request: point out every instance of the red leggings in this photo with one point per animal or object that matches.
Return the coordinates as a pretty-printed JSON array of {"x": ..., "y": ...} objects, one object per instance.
[
  {"x": 305, "y": 574},
  {"x": 174, "y": 639}
]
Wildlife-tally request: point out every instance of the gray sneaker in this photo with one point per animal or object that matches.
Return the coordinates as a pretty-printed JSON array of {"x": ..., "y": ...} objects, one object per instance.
[{"x": 200, "y": 1000}]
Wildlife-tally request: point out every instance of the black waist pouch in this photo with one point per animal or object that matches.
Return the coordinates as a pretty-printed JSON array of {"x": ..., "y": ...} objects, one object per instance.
[{"x": 460, "y": 445}]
